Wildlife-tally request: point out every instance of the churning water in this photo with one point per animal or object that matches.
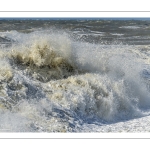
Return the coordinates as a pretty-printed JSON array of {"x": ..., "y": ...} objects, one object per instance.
[{"x": 62, "y": 75}]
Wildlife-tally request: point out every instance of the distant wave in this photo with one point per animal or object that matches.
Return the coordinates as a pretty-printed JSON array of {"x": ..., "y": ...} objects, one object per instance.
[{"x": 130, "y": 27}]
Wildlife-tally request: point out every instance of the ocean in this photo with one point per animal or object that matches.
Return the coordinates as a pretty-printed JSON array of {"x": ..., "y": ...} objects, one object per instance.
[{"x": 74, "y": 75}]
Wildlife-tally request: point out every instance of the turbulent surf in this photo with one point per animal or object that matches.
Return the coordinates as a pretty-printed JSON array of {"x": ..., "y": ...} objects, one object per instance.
[{"x": 57, "y": 77}]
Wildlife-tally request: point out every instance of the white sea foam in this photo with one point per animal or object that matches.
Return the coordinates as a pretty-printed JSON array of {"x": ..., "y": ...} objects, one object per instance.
[
  {"x": 130, "y": 27},
  {"x": 117, "y": 34},
  {"x": 51, "y": 83}
]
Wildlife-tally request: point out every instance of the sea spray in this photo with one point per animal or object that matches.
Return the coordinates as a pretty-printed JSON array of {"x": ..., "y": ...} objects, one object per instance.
[{"x": 52, "y": 83}]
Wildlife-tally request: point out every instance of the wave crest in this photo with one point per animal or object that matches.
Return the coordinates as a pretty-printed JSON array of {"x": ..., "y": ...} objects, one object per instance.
[{"x": 43, "y": 62}]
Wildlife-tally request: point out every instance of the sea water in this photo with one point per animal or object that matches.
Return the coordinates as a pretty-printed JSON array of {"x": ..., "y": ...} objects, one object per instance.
[{"x": 62, "y": 75}]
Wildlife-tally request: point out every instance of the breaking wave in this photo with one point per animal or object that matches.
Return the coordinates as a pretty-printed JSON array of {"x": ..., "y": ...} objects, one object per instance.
[{"x": 49, "y": 82}]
